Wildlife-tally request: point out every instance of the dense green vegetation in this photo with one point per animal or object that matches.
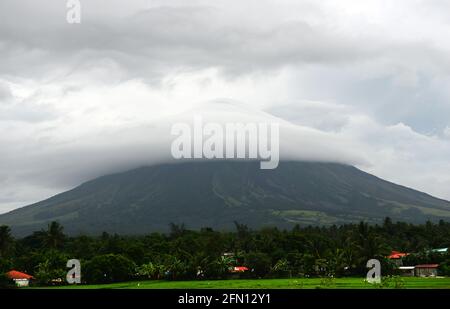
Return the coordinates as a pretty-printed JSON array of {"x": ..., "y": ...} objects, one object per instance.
[{"x": 309, "y": 252}]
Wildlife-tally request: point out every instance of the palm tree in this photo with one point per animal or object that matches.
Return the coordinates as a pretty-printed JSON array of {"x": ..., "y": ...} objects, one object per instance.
[
  {"x": 342, "y": 260},
  {"x": 369, "y": 244},
  {"x": 175, "y": 267},
  {"x": 54, "y": 236},
  {"x": 151, "y": 270},
  {"x": 224, "y": 263},
  {"x": 6, "y": 240}
]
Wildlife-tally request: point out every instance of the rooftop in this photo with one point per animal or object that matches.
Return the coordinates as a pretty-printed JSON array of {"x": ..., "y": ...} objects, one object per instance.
[
  {"x": 397, "y": 255},
  {"x": 427, "y": 266},
  {"x": 14, "y": 274}
]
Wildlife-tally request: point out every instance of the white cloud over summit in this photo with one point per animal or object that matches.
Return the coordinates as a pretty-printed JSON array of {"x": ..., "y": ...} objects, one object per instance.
[{"x": 362, "y": 82}]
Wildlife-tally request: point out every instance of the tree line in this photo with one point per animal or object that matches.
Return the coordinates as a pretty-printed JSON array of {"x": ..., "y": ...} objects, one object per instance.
[{"x": 183, "y": 254}]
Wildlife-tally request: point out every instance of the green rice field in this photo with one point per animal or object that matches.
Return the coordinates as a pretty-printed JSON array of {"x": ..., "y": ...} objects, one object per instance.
[{"x": 293, "y": 283}]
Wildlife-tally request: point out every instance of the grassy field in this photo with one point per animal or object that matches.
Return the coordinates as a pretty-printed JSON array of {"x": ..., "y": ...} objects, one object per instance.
[{"x": 298, "y": 283}]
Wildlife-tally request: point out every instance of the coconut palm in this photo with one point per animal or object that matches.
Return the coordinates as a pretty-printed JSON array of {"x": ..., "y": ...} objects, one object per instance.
[
  {"x": 6, "y": 240},
  {"x": 54, "y": 236}
]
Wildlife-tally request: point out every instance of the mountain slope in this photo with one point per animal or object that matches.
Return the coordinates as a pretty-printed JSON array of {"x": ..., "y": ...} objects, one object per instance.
[{"x": 216, "y": 193}]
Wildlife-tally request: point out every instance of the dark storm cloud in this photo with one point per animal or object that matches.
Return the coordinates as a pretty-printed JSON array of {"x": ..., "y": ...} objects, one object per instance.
[
  {"x": 162, "y": 38},
  {"x": 147, "y": 43}
]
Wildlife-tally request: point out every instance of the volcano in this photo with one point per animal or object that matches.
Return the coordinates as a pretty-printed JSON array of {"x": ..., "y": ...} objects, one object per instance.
[{"x": 217, "y": 193}]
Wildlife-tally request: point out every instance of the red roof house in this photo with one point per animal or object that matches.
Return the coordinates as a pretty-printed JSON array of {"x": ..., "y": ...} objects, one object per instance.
[
  {"x": 426, "y": 270},
  {"x": 20, "y": 278},
  {"x": 239, "y": 269},
  {"x": 14, "y": 274},
  {"x": 397, "y": 255},
  {"x": 427, "y": 266}
]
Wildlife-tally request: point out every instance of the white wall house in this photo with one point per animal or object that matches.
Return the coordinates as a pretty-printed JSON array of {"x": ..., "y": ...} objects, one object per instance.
[{"x": 20, "y": 279}]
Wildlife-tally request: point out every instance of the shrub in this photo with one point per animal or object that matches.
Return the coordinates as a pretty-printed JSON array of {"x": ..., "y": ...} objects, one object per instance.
[
  {"x": 444, "y": 268},
  {"x": 258, "y": 262},
  {"x": 5, "y": 282},
  {"x": 48, "y": 275},
  {"x": 108, "y": 268},
  {"x": 151, "y": 271},
  {"x": 51, "y": 269}
]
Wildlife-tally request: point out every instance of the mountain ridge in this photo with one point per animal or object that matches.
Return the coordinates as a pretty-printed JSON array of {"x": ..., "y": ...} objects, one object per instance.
[{"x": 217, "y": 193}]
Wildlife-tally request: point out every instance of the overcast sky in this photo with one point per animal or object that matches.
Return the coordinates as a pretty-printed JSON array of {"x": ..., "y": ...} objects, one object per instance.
[{"x": 361, "y": 82}]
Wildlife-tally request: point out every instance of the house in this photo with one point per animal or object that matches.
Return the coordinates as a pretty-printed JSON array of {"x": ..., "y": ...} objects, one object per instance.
[
  {"x": 426, "y": 270},
  {"x": 239, "y": 269},
  {"x": 440, "y": 250},
  {"x": 396, "y": 256},
  {"x": 19, "y": 278},
  {"x": 407, "y": 271}
]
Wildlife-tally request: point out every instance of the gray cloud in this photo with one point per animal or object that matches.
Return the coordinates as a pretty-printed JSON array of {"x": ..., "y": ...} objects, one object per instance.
[
  {"x": 347, "y": 80},
  {"x": 5, "y": 93},
  {"x": 152, "y": 41}
]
